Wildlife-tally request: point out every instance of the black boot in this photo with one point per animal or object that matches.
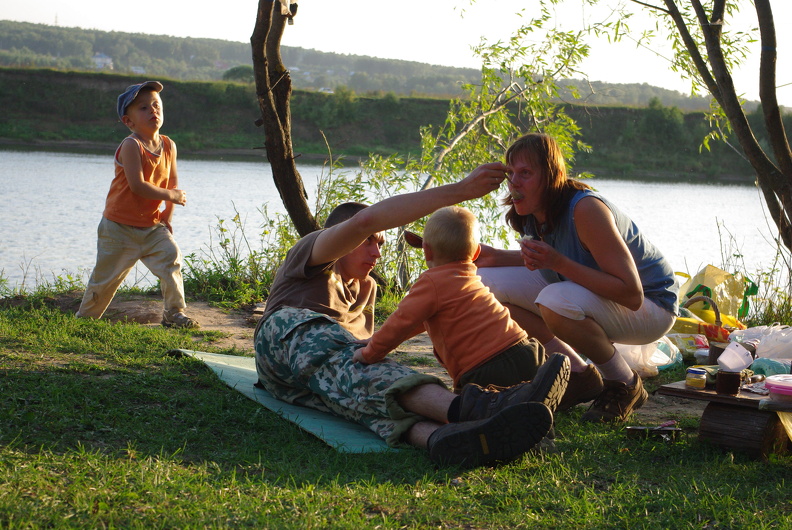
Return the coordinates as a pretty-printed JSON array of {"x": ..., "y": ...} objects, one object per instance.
[
  {"x": 548, "y": 387},
  {"x": 500, "y": 438}
]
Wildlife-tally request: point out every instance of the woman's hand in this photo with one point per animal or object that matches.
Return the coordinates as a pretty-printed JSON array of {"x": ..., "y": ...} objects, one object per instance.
[
  {"x": 539, "y": 255},
  {"x": 487, "y": 256},
  {"x": 495, "y": 257}
]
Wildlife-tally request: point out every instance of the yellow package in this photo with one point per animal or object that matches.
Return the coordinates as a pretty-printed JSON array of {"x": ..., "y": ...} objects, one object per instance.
[
  {"x": 688, "y": 343},
  {"x": 697, "y": 327},
  {"x": 708, "y": 315}
]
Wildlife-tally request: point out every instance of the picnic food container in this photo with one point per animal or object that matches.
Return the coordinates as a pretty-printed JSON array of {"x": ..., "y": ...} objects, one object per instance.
[
  {"x": 728, "y": 382},
  {"x": 780, "y": 387},
  {"x": 696, "y": 378},
  {"x": 735, "y": 357}
]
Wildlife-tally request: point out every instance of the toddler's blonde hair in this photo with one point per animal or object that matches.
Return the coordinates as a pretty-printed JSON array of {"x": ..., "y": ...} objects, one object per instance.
[{"x": 452, "y": 233}]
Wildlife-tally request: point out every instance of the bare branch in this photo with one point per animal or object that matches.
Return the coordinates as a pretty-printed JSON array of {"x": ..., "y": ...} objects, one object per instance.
[
  {"x": 692, "y": 47},
  {"x": 718, "y": 10},
  {"x": 650, "y": 6},
  {"x": 273, "y": 90}
]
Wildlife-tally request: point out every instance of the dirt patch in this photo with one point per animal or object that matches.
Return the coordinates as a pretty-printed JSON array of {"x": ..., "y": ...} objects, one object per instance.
[{"x": 237, "y": 332}]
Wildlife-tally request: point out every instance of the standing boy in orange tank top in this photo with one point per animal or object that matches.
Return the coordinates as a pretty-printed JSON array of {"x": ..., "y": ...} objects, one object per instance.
[{"x": 135, "y": 225}]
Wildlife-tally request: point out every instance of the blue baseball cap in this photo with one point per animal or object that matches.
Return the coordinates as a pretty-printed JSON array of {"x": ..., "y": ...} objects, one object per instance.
[{"x": 131, "y": 93}]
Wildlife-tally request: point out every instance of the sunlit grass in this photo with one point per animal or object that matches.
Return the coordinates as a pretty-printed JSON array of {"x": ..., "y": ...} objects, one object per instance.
[{"x": 101, "y": 427}]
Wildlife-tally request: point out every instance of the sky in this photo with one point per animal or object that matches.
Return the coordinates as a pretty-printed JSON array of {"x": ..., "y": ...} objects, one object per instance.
[{"x": 436, "y": 32}]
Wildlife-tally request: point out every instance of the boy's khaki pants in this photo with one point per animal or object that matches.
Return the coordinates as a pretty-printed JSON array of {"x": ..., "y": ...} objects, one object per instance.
[{"x": 119, "y": 247}]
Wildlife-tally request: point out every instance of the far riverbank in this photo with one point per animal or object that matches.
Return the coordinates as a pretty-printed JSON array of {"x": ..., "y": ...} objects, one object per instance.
[{"x": 252, "y": 155}]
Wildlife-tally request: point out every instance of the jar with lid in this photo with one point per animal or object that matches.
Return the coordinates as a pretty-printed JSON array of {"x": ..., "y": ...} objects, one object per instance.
[{"x": 696, "y": 378}]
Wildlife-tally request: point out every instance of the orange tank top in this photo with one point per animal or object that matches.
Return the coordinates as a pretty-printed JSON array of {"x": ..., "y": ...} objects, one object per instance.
[{"x": 125, "y": 207}]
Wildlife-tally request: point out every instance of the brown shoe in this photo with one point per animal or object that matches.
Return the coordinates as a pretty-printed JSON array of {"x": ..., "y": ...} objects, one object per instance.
[
  {"x": 547, "y": 387},
  {"x": 583, "y": 387},
  {"x": 617, "y": 401}
]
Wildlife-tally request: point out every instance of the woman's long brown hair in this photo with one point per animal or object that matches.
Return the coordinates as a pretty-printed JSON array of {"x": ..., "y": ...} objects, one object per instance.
[{"x": 544, "y": 152}]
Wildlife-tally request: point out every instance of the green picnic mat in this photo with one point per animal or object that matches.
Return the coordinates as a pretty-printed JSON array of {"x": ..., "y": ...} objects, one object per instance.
[{"x": 239, "y": 373}]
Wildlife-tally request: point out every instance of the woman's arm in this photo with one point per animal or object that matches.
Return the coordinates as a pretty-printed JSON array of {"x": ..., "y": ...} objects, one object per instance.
[
  {"x": 495, "y": 257},
  {"x": 618, "y": 278}
]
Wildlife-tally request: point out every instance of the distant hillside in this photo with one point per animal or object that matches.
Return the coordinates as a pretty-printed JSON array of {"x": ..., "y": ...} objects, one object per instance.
[
  {"x": 217, "y": 119},
  {"x": 28, "y": 45}
]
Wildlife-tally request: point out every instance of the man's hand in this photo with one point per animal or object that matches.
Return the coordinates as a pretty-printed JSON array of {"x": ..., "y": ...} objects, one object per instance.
[{"x": 484, "y": 179}]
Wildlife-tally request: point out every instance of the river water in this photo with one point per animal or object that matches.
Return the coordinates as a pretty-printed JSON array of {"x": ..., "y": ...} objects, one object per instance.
[{"x": 52, "y": 204}]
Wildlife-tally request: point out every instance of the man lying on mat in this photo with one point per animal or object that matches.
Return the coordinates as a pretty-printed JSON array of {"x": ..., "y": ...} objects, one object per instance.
[{"x": 321, "y": 305}]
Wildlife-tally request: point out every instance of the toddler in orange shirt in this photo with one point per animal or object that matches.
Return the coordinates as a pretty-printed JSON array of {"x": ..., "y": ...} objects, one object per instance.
[{"x": 472, "y": 334}]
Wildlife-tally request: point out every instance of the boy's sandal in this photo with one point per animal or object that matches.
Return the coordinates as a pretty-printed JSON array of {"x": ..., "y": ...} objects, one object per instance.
[{"x": 179, "y": 320}]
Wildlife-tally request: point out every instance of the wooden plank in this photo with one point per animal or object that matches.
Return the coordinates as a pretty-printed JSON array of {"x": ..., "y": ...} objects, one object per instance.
[
  {"x": 737, "y": 422},
  {"x": 679, "y": 389},
  {"x": 743, "y": 399}
]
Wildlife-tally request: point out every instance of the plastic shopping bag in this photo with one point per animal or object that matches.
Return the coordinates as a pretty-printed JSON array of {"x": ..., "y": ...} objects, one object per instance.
[
  {"x": 648, "y": 359},
  {"x": 689, "y": 343},
  {"x": 696, "y": 326},
  {"x": 775, "y": 343},
  {"x": 709, "y": 316},
  {"x": 729, "y": 291},
  {"x": 772, "y": 366}
]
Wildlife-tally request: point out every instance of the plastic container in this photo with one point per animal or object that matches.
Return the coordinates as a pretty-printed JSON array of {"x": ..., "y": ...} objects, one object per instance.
[
  {"x": 735, "y": 357},
  {"x": 780, "y": 387},
  {"x": 696, "y": 378},
  {"x": 702, "y": 356}
]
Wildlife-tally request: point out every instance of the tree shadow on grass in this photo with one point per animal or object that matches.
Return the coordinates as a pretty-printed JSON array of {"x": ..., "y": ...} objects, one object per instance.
[{"x": 188, "y": 417}]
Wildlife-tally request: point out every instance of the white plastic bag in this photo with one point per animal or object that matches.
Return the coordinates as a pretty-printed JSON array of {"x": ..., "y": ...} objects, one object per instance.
[
  {"x": 755, "y": 333},
  {"x": 648, "y": 359},
  {"x": 775, "y": 343}
]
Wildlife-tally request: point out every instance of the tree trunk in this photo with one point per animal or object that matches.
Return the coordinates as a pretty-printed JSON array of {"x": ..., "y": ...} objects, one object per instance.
[
  {"x": 273, "y": 89},
  {"x": 774, "y": 178}
]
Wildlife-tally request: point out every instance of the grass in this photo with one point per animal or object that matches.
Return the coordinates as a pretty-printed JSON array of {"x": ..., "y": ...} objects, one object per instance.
[{"x": 101, "y": 428}]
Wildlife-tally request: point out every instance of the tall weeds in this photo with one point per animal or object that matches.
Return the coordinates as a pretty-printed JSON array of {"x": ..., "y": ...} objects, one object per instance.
[
  {"x": 236, "y": 268},
  {"x": 772, "y": 301},
  {"x": 232, "y": 270}
]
